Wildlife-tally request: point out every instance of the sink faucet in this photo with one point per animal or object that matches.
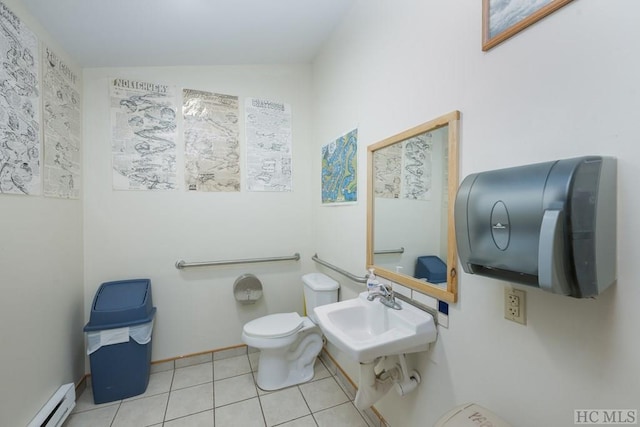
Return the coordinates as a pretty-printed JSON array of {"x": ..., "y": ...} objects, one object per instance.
[{"x": 386, "y": 295}]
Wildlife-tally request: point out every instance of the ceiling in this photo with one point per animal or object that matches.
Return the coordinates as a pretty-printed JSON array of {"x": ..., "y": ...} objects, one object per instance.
[{"x": 117, "y": 33}]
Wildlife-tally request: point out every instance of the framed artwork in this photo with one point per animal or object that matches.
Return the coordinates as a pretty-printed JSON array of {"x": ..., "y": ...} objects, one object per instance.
[
  {"x": 502, "y": 19},
  {"x": 340, "y": 169}
]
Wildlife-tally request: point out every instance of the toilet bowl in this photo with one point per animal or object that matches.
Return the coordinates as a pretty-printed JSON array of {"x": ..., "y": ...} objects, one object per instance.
[
  {"x": 288, "y": 346},
  {"x": 289, "y": 343}
]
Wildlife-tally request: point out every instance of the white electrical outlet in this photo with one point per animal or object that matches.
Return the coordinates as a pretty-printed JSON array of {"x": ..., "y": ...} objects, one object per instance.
[{"x": 514, "y": 305}]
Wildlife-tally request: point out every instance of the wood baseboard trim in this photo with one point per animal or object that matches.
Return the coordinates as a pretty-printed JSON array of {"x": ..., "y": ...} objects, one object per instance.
[{"x": 200, "y": 353}]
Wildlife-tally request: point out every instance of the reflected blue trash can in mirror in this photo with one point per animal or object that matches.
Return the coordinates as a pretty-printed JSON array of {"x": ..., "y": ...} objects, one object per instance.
[
  {"x": 431, "y": 268},
  {"x": 119, "y": 339}
]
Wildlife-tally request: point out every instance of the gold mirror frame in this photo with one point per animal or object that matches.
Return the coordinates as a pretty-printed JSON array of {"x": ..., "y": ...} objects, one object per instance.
[{"x": 450, "y": 294}]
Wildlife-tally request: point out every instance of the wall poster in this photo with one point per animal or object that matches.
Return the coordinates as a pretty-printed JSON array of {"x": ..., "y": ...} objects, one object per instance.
[
  {"x": 340, "y": 169},
  {"x": 211, "y": 136},
  {"x": 416, "y": 167},
  {"x": 268, "y": 130},
  {"x": 62, "y": 128},
  {"x": 143, "y": 126},
  {"x": 502, "y": 19},
  {"x": 19, "y": 107},
  {"x": 404, "y": 170}
]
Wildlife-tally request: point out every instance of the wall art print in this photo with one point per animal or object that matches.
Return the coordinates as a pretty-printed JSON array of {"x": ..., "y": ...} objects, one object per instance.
[
  {"x": 340, "y": 169},
  {"x": 502, "y": 19},
  {"x": 143, "y": 132},
  {"x": 269, "y": 145},
  {"x": 62, "y": 128},
  {"x": 19, "y": 107},
  {"x": 211, "y": 141}
]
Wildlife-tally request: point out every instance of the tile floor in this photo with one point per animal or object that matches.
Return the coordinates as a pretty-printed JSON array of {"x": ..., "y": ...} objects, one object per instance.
[{"x": 219, "y": 390}]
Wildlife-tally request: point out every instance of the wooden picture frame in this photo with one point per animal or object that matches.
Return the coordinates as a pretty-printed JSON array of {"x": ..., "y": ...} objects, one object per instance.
[{"x": 495, "y": 31}]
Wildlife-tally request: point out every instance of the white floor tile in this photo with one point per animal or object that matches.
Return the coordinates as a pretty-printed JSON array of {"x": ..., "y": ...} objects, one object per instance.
[
  {"x": 253, "y": 360},
  {"x": 284, "y": 405},
  {"x": 345, "y": 415},
  {"x": 320, "y": 371},
  {"x": 100, "y": 417},
  {"x": 346, "y": 385},
  {"x": 85, "y": 402},
  {"x": 234, "y": 389},
  {"x": 164, "y": 366},
  {"x": 201, "y": 419},
  {"x": 159, "y": 383},
  {"x": 192, "y": 375},
  {"x": 246, "y": 414},
  {"x": 307, "y": 421},
  {"x": 189, "y": 397},
  {"x": 230, "y": 367},
  {"x": 188, "y": 401},
  {"x": 141, "y": 412},
  {"x": 323, "y": 394}
]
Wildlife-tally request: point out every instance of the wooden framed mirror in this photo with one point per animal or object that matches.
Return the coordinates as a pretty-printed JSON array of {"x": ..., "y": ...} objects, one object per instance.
[{"x": 412, "y": 184}]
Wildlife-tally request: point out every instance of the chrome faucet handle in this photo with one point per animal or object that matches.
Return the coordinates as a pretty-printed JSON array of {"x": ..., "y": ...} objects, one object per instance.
[
  {"x": 387, "y": 289},
  {"x": 381, "y": 290},
  {"x": 385, "y": 294}
]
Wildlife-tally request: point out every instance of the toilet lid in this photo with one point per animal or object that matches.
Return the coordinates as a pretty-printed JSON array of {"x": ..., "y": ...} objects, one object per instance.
[{"x": 274, "y": 325}]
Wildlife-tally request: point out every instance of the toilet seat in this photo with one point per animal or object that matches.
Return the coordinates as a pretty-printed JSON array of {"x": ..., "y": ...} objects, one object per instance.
[{"x": 274, "y": 325}]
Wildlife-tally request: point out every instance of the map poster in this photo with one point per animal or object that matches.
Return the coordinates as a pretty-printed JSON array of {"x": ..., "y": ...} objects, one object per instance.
[
  {"x": 19, "y": 107},
  {"x": 268, "y": 130},
  {"x": 211, "y": 136},
  {"x": 417, "y": 167},
  {"x": 340, "y": 169},
  {"x": 387, "y": 164},
  {"x": 62, "y": 128},
  {"x": 404, "y": 171},
  {"x": 143, "y": 126}
]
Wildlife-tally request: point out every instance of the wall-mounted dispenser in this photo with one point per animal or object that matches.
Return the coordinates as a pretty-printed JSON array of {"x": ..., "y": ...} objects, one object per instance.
[
  {"x": 247, "y": 289},
  {"x": 551, "y": 225}
]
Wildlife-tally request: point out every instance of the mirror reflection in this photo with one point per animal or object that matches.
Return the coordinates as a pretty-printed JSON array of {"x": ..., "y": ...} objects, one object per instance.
[{"x": 413, "y": 178}]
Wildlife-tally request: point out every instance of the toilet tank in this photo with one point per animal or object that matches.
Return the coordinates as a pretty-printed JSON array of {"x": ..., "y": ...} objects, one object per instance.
[{"x": 319, "y": 289}]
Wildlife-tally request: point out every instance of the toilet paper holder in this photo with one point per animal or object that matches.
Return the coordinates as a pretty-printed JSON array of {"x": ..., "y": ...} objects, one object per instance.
[{"x": 247, "y": 289}]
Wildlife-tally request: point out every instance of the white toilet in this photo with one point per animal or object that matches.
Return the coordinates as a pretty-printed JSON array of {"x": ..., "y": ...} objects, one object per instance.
[{"x": 288, "y": 342}]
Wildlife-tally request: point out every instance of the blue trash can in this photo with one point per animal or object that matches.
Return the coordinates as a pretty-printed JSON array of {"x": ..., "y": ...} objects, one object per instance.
[
  {"x": 431, "y": 268},
  {"x": 119, "y": 339}
]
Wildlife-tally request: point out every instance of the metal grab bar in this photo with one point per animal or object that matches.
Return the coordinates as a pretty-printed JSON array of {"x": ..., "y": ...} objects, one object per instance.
[
  {"x": 389, "y": 251},
  {"x": 183, "y": 264},
  {"x": 339, "y": 270}
]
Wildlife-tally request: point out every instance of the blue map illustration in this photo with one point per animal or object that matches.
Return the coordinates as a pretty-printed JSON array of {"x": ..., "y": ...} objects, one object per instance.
[{"x": 339, "y": 169}]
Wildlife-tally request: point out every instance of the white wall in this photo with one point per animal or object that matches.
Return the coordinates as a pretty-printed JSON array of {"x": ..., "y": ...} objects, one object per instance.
[
  {"x": 131, "y": 234},
  {"x": 42, "y": 290},
  {"x": 568, "y": 86}
]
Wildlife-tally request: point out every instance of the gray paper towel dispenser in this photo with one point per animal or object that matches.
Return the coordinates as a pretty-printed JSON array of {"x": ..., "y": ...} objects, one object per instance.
[{"x": 551, "y": 225}]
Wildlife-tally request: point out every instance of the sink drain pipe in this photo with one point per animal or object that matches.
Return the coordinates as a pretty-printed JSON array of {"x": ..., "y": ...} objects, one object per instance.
[
  {"x": 408, "y": 381},
  {"x": 376, "y": 380}
]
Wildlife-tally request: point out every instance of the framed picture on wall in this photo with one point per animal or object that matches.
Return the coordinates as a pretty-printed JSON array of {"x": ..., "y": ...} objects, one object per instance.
[
  {"x": 502, "y": 19},
  {"x": 340, "y": 169}
]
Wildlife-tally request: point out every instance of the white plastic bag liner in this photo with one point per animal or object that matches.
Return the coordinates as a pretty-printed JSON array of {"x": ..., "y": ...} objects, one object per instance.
[{"x": 140, "y": 334}]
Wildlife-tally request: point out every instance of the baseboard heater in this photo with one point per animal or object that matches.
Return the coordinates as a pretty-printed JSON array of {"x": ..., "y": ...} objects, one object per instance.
[{"x": 57, "y": 408}]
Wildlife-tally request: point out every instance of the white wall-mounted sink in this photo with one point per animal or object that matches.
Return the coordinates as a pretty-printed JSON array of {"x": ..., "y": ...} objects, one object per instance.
[{"x": 366, "y": 330}]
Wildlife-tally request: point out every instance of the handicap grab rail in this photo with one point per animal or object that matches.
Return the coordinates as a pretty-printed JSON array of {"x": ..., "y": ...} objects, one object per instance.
[
  {"x": 339, "y": 270},
  {"x": 183, "y": 264}
]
